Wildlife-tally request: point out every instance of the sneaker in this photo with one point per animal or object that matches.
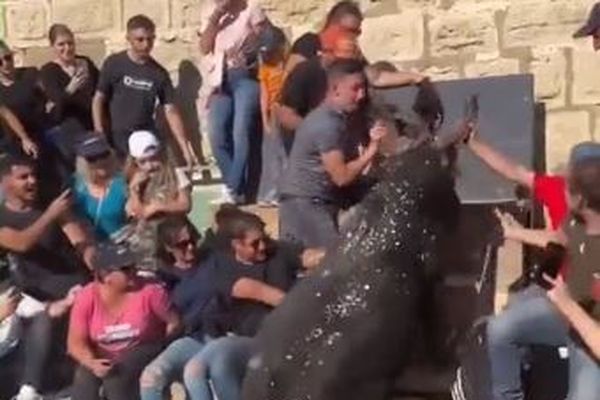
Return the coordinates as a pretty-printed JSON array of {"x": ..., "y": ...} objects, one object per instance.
[
  {"x": 226, "y": 197},
  {"x": 238, "y": 199},
  {"x": 268, "y": 204},
  {"x": 28, "y": 392},
  {"x": 29, "y": 307}
]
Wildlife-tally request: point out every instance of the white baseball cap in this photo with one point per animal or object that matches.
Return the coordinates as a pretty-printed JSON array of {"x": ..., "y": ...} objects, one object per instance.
[{"x": 143, "y": 144}]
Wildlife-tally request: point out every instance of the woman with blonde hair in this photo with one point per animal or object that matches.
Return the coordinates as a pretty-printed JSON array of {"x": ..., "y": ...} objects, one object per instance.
[
  {"x": 99, "y": 189},
  {"x": 156, "y": 190}
]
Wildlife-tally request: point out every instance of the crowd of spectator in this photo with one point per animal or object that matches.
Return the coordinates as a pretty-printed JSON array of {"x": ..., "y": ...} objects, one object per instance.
[{"x": 111, "y": 291}]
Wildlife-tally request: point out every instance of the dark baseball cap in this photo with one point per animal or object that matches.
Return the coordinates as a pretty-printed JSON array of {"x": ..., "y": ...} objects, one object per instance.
[
  {"x": 584, "y": 151},
  {"x": 92, "y": 145},
  {"x": 592, "y": 24},
  {"x": 111, "y": 257}
]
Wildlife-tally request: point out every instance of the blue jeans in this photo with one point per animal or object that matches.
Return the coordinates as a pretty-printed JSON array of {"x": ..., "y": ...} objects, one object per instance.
[
  {"x": 167, "y": 367},
  {"x": 274, "y": 160},
  {"x": 584, "y": 374},
  {"x": 529, "y": 319},
  {"x": 222, "y": 361},
  {"x": 232, "y": 116}
]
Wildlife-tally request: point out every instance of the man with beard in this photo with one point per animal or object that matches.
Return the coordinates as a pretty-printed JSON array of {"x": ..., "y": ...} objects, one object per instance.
[{"x": 42, "y": 246}]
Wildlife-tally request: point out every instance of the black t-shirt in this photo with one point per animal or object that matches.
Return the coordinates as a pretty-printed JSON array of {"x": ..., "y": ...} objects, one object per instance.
[
  {"x": 305, "y": 87},
  {"x": 77, "y": 105},
  {"x": 133, "y": 90},
  {"x": 26, "y": 100},
  {"x": 244, "y": 317},
  {"x": 49, "y": 269}
]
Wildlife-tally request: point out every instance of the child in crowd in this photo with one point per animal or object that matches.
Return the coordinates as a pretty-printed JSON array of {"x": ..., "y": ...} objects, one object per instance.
[
  {"x": 271, "y": 74},
  {"x": 156, "y": 190}
]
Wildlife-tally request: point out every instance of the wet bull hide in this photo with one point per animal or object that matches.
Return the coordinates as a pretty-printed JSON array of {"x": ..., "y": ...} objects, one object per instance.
[{"x": 345, "y": 332}]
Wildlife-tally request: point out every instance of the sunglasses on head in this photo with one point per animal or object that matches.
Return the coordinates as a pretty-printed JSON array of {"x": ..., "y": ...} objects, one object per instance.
[
  {"x": 99, "y": 157},
  {"x": 7, "y": 58}
]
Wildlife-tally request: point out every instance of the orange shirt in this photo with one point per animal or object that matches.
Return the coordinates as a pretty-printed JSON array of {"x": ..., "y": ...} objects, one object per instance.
[{"x": 271, "y": 77}]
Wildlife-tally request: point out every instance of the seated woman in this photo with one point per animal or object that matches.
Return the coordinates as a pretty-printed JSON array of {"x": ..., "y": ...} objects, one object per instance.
[
  {"x": 69, "y": 82},
  {"x": 192, "y": 282},
  {"x": 99, "y": 189},
  {"x": 118, "y": 325},
  {"x": 156, "y": 190}
]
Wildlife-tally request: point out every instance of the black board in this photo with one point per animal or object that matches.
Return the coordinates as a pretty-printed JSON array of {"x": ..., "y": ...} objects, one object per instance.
[{"x": 506, "y": 117}]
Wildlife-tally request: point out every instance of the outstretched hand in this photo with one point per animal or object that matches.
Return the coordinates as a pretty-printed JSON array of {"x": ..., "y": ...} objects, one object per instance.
[
  {"x": 559, "y": 291},
  {"x": 508, "y": 223}
]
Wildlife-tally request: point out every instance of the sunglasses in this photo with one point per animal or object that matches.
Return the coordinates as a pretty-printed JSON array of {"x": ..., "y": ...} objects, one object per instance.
[
  {"x": 99, "y": 157},
  {"x": 184, "y": 244},
  {"x": 255, "y": 244},
  {"x": 5, "y": 59}
]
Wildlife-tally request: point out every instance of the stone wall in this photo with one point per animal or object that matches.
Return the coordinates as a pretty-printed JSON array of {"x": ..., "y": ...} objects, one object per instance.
[{"x": 446, "y": 39}]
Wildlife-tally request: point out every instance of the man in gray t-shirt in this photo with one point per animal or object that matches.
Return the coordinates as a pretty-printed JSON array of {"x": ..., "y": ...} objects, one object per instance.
[
  {"x": 318, "y": 165},
  {"x": 321, "y": 133}
]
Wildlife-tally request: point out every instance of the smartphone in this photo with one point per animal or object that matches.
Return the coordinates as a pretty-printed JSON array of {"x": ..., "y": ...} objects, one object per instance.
[
  {"x": 549, "y": 262},
  {"x": 471, "y": 108}
]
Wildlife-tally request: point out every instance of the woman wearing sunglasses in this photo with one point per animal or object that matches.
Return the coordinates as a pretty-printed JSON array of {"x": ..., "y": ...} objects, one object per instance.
[
  {"x": 118, "y": 325},
  {"x": 99, "y": 189},
  {"x": 156, "y": 190}
]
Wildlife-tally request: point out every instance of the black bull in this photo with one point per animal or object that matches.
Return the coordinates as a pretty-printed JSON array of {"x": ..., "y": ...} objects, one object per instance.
[{"x": 346, "y": 332}]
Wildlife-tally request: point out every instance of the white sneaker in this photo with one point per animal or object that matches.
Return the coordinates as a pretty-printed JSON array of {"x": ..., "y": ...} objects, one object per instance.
[
  {"x": 29, "y": 307},
  {"x": 28, "y": 392},
  {"x": 226, "y": 197}
]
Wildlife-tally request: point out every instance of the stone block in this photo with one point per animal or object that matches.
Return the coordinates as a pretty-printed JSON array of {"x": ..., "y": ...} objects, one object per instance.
[
  {"x": 564, "y": 129},
  {"x": 2, "y": 22},
  {"x": 549, "y": 66},
  {"x": 596, "y": 133},
  {"x": 26, "y": 21},
  {"x": 492, "y": 67},
  {"x": 586, "y": 85},
  {"x": 171, "y": 54},
  {"x": 542, "y": 22},
  {"x": 297, "y": 12},
  {"x": 392, "y": 37},
  {"x": 190, "y": 13},
  {"x": 441, "y": 72},
  {"x": 158, "y": 10},
  {"x": 86, "y": 15},
  {"x": 469, "y": 30}
]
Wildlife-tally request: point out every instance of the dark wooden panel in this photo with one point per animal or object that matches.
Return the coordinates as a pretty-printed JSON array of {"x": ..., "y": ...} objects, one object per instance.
[{"x": 507, "y": 121}]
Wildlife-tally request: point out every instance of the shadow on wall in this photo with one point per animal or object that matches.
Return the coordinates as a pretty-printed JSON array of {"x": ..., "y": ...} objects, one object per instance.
[{"x": 186, "y": 91}]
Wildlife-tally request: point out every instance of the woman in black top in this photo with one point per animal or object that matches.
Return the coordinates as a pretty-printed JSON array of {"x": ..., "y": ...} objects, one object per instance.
[
  {"x": 21, "y": 93},
  {"x": 69, "y": 81}
]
